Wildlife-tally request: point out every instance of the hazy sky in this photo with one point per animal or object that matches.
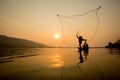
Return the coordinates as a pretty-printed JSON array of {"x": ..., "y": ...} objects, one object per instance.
[{"x": 37, "y": 20}]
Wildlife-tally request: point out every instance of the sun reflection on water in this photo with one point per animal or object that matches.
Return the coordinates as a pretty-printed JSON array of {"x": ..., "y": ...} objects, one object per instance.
[{"x": 57, "y": 61}]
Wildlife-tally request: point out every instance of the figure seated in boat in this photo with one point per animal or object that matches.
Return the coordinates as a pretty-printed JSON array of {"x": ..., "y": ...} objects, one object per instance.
[{"x": 85, "y": 46}]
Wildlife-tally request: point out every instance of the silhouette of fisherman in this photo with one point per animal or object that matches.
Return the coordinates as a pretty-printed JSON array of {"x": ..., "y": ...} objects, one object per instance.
[{"x": 80, "y": 39}]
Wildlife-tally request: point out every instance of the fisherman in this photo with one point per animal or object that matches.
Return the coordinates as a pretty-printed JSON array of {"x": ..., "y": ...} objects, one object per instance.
[{"x": 80, "y": 39}]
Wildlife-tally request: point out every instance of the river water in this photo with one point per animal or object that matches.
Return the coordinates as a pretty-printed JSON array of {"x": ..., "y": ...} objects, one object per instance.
[{"x": 59, "y": 64}]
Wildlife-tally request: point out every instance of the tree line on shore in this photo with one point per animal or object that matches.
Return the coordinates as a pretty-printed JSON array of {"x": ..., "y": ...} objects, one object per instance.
[{"x": 113, "y": 45}]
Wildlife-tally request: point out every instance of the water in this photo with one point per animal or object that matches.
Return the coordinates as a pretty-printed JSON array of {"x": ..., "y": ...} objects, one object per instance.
[{"x": 59, "y": 64}]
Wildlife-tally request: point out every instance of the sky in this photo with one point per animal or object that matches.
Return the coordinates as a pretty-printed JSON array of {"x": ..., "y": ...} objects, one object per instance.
[{"x": 37, "y": 20}]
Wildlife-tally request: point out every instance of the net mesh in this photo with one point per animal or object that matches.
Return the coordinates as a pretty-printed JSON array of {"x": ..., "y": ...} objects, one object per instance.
[{"x": 86, "y": 25}]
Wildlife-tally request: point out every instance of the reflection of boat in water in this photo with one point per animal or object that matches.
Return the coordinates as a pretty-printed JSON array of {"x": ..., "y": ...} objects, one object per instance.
[
  {"x": 83, "y": 53},
  {"x": 85, "y": 50}
]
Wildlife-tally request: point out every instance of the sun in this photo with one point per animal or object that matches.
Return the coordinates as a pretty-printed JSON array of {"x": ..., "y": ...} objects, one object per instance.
[{"x": 56, "y": 36}]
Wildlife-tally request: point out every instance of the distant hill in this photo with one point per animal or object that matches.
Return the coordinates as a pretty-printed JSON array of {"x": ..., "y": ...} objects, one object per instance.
[
  {"x": 6, "y": 41},
  {"x": 113, "y": 45}
]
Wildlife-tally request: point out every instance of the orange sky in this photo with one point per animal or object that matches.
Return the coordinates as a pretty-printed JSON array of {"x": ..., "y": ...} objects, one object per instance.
[{"x": 37, "y": 20}]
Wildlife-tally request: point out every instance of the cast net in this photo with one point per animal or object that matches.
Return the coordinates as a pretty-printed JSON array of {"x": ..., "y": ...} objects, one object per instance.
[{"x": 86, "y": 25}]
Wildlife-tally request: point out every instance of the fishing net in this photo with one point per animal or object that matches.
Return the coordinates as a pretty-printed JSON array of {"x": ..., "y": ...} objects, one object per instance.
[{"x": 86, "y": 25}]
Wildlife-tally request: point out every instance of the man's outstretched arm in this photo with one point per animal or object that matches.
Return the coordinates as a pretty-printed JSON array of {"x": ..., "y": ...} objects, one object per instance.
[
  {"x": 84, "y": 39},
  {"x": 76, "y": 35}
]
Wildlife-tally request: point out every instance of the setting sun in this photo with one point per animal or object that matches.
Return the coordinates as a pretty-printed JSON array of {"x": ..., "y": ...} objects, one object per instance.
[{"x": 56, "y": 36}]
